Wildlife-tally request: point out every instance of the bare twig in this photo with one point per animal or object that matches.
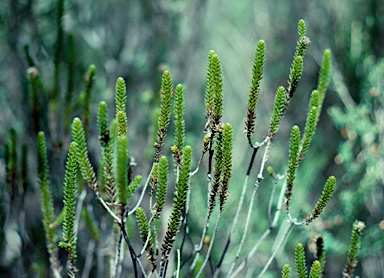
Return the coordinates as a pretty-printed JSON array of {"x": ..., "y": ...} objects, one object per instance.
[
  {"x": 250, "y": 208},
  {"x": 210, "y": 246},
  {"x": 276, "y": 250}
]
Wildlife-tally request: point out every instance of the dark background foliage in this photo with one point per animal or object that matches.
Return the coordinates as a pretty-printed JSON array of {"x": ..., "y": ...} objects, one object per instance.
[{"x": 139, "y": 39}]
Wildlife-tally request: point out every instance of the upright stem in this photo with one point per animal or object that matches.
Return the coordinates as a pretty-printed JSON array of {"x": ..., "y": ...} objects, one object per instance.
[
  {"x": 250, "y": 208},
  {"x": 210, "y": 246},
  {"x": 276, "y": 250},
  {"x": 239, "y": 207}
]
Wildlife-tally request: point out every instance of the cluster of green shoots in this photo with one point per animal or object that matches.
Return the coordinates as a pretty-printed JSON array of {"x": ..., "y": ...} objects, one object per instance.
[
  {"x": 317, "y": 268},
  {"x": 115, "y": 185}
]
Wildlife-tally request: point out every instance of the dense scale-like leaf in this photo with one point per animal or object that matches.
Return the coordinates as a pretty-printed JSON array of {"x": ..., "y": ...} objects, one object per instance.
[
  {"x": 122, "y": 171},
  {"x": 132, "y": 187},
  {"x": 46, "y": 200},
  {"x": 301, "y": 28},
  {"x": 70, "y": 190},
  {"x": 120, "y": 96},
  {"x": 144, "y": 233},
  {"x": 226, "y": 164},
  {"x": 102, "y": 123},
  {"x": 122, "y": 123},
  {"x": 253, "y": 97},
  {"x": 324, "y": 77},
  {"x": 179, "y": 199},
  {"x": 326, "y": 195},
  {"x": 86, "y": 168},
  {"x": 294, "y": 147},
  {"x": 161, "y": 193},
  {"x": 278, "y": 110},
  {"x": 301, "y": 267},
  {"x": 309, "y": 131},
  {"x": 315, "y": 271},
  {"x": 210, "y": 87},
  {"x": 295, "y": 75},
  {"x": 286, "y": 271},
  {"x": 178, "y": 111},
  {"x": 218, "y": 96},
  {"x": 165, "y": 112},
  {"x": 142, "y": 221},
  {"x": 217, "y": 170},
  {"x": 108, "y": 163},
  {"x": 353, "y": 250}
]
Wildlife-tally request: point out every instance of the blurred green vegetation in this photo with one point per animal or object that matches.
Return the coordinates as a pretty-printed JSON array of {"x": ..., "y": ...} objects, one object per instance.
[{"x": 138, "y": 40}]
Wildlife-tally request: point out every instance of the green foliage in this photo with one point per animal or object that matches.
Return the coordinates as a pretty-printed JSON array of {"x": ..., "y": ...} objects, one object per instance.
[
  {"x": 46, "y": 201},
  {"x": 108, "y": 169},
  {"x": 278, "y": 110},
  {"x": 161, "y": 193},
  {"x": 145, "y": 233},
  {"x": 120, "y": 96},
  {"x": 154, "y": 176},
  {"x": 143, "y": 224},
  {"x": 165, "y": 112},
  {"x": 310, "y": 124},
  {"x": 70, "y": 190},
  {"x": 354, "y": 247},
  {"x": 217, "y": 170},
  {"x": 102, "y": 123},
  {"x": 132, "y": 187},
  {"x": 166, "y": 99},
  {"x": 297, "y": 65},
  {"x": 309, "y": 131},
  {"x": 218, "y": 97},
  {"x": 179, "y": 136},
  {"x": 253, "y": 97},
  {"x": 210, "y": 87},
  {"x": 294, "y": 150},
  {"x": 295, "y": 75},
  {"x": 214, "y": 92},
  {"x": 362, "y": 152},
  {"x": 43, "y": 172},
  {"x": 315, "y": 271},
  {"x": 301, "y": 28},
  {"x": 324, "y": 77},
  {"x": 301, "y": 267},
  {"x": 115, "y": 174},
  {"x": 122, "y": 172},
  {"x": 286, "y": 271},
  {"x": 179, "y": 200},
  {"x": 122, "y": 123},
  {"x": 121, "y": 113},
  {"x": 226, "y": 163},
  {"x": 326, "y": 195},
  {"x": 86, "y": 168}
]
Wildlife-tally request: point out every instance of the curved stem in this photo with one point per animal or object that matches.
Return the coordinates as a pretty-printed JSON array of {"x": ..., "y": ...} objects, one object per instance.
[
  {"x": 276, "y": 250},
  {"x": 250, "y": 208},
  {"x": 210, "y": 246}
]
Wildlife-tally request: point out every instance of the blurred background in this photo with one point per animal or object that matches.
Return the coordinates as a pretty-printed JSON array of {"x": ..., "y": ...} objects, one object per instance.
[{"x": 138, "y": 40}]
